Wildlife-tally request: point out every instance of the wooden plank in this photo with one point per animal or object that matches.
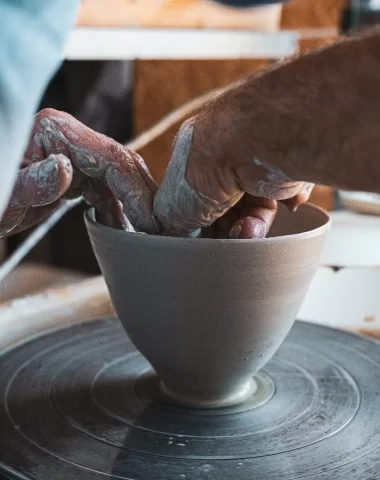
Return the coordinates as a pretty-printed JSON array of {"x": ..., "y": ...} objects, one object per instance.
[
  {"x": 304, "y": 15},
  {"x": 301, "y": 14},
  {"x": 111, "y": 43},
  {"x": 33, "y": 278},
  {"x": 174, "y": 13},
  {"x": 75, "y": 303}
]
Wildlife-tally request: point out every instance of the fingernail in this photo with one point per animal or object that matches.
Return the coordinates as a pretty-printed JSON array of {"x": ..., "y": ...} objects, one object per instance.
[
  {"x": 295, "y": 208},
  {"x": 64, "y": 161},
  {"x": 253, "y": 228},
  {"x": 236, "y": 231},
  {"x": 259, "y": 230},
  {"x": 249, "y": 228}
]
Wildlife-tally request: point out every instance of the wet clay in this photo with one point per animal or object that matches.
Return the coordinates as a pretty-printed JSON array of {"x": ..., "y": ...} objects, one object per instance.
[
  {"x": 208, "y": 314},
  {"x": 96, "y": 156}
]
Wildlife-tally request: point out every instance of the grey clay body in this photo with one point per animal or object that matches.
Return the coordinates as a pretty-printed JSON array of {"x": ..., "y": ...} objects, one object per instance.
[{"x": 208, "y": 314}]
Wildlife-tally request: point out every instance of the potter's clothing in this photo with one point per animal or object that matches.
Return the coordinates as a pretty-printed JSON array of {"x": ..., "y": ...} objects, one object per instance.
[{"x": 32, "y": 36}]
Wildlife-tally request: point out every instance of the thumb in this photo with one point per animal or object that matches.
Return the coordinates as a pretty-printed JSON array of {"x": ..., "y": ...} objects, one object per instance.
[
  {"x": 181, "y": 209},
  {"x": 256, "y": 218},
  {"x": 42, "y": 183}
]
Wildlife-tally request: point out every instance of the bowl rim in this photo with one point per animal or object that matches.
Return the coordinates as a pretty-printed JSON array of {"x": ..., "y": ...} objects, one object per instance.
[{"x": 89, "y": 218}]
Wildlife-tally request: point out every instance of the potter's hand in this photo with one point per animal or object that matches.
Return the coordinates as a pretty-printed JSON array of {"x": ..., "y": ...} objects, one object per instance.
[
  {"x": 65, "y": 159},
  {"x": 239, "y": 193},
  {"x": 37, "y": 192},
  {"x": 301, "y": 119}
]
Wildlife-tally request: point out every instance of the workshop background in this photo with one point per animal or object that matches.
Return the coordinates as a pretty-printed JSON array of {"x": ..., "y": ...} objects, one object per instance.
[{"x": 124, "y": 98}]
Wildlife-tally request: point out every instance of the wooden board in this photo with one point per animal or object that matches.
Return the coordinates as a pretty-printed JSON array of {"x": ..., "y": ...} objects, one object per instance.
[
  {"x": 301, "y": 14},
  {"x": 174, "y": 13},
  {"x": 56, "y": 307}
]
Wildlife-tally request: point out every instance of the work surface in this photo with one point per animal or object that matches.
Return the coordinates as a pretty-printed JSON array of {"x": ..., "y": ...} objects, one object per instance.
[{"x": 80, "y": 403}]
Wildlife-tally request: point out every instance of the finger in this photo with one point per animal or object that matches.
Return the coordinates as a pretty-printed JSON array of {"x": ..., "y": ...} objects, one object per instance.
[
  {"x": 29, "y": 218},
  {"x": 38, "y": 184},
  {"x": 182, "y": 209},
  {"x": 98, "y": 157},
  {"x": 42, "y": 142},
  {"x": 222, "y": 226},
  {"x": 293, "y": 203},
  {"x": 256, "y": 218},
  {"x": 128, "y": 185},
  {"x": 10, "y": 220},
  {"x": 144, "y": 172},
  {"x": 125, "y": 178},
  {"x": 42, "y": 182},
  {"x": 109, "y": 211}
]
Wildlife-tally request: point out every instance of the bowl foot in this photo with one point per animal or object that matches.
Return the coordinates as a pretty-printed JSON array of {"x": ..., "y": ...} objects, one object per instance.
[{"x": 257, "y": 391}]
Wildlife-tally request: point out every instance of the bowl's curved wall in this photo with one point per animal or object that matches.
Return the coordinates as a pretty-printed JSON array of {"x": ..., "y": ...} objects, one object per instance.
[{"x": 209, "y": 313}]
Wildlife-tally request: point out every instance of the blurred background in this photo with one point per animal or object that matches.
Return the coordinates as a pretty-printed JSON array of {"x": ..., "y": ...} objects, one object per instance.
[{"x": 118, "y": 81}]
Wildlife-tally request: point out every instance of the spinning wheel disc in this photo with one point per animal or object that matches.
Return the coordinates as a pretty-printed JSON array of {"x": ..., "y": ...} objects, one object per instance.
[{"x": 81, "y": 403}]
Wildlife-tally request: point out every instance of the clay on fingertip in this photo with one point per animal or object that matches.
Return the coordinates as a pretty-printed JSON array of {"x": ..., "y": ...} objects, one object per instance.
[
  {"x": 249, "y": 227},
  {"x": 236, "y": 231}
]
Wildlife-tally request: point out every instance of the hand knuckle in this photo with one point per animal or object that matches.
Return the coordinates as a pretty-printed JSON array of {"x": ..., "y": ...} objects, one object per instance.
[{"x": 47, "y": 112}]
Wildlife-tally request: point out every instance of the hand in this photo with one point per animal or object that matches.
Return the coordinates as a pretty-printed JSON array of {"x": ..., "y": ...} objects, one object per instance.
[
  {"x": 37, "y": 193},
  {"x": 64, "y": 159},
  {"x": 238, "y": 196}
]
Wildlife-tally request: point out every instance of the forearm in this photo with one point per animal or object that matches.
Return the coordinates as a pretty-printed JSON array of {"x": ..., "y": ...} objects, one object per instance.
[{"x": 317, "y": 117}]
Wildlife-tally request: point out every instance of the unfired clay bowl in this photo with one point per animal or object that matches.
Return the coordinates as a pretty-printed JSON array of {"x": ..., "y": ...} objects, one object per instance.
[{"x": 208, "y": 314}]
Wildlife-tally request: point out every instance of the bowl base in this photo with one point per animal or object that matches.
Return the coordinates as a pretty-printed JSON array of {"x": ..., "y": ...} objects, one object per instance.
[{"x": 254, "y": 393}]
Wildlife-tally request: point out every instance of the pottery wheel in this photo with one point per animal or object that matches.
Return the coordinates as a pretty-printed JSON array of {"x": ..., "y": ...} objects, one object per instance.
[{"x": 81, "y": 403}]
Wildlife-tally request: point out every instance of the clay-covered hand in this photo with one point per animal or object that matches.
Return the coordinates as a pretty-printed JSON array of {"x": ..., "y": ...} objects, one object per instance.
[
  {"x": 37, "y": 193},
  {"x": 300, "y": 119},
  {"x": 238, "y": 196},
  {"x": 64, "y": 159}
]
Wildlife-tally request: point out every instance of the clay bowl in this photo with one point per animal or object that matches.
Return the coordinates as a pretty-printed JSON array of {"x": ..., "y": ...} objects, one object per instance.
[{"x": 206, "y": 313}]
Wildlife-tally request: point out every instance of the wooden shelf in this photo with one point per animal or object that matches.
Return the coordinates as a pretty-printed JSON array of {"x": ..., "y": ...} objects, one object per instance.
[
  {"x": 176, "y": 29},
  {"x": 90, "y": 43},
  {"x": 176, "y": 13}
]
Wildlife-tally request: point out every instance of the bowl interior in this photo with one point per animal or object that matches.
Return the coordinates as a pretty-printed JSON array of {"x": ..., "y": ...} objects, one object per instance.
[{"x": 306, "y": 219}]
